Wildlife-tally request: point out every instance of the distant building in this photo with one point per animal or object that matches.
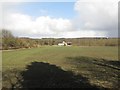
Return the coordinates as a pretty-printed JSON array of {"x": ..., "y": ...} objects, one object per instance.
[{"x": 65, "y": 44}]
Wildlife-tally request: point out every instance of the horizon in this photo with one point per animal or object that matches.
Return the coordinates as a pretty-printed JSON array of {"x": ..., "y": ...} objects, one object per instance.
[{"x": 69, "y": 38}]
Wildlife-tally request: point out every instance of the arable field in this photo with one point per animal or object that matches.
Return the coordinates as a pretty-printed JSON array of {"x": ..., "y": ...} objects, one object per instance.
[{"x": 59, "y": 66}]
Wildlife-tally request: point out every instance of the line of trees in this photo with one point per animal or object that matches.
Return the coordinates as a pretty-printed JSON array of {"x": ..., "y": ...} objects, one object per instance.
[
  {"x": 83, "y": 41},
  {"x": 11, "y": 42}
]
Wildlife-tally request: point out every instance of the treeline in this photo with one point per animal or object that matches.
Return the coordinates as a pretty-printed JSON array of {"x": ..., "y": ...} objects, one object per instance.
[
  {"x": 94, "y": 41},
  {"x": 11, "y": 42},
  {"x": 82, "y": 41}
]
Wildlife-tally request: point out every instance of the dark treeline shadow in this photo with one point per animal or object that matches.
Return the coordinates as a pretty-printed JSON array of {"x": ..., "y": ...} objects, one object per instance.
[{"x": 45, "y": 75}]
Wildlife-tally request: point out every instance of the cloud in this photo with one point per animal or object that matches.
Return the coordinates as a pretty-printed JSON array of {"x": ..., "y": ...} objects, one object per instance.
[
  {"x": 82, "y": 33},
  {"x": 94, "y": 18},
  {"x": 43, "y": 26},
  {"x": 97, "y": 15}
]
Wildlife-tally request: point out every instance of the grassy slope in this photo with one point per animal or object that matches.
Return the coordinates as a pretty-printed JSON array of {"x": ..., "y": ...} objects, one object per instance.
[{"x": 69, "y": 58}]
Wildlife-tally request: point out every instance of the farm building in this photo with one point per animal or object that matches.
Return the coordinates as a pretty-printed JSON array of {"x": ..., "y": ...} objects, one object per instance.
[{"x": 65, "y": 44}]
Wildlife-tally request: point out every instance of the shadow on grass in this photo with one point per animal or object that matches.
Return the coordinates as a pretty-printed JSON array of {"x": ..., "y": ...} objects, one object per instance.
[
  {"x": 45, "y": 75},
  {"x": 102, "y": 62},
  {"x": 105, "y": 71}
]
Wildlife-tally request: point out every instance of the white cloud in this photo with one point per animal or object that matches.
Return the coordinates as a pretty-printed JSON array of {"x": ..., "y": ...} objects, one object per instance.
[
  {"x": 97, "y": 15},
  {"x": 82, "y": 33},
  {"x": 43, "y": 26},
  {"x": 95, "y": 18},
  {"x": 25, "y": 25}
]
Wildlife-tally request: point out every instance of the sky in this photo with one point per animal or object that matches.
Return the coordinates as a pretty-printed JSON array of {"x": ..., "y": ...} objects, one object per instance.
[{"x": 51, "y": 19}]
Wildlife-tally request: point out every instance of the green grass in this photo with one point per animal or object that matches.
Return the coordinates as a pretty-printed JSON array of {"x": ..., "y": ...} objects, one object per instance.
[{"x": 92, "y": 63}]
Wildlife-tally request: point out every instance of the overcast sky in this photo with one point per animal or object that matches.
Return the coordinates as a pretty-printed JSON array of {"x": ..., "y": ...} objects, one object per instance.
[{"x": 77, "y": 18}]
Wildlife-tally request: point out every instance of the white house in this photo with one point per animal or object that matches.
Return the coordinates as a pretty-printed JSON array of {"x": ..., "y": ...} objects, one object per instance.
[
  {"x": 62, "y": 44},
  {"x": 65, "y": 43}
]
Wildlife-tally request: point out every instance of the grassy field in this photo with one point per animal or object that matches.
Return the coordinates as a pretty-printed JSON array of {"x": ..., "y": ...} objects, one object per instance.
[{"x": 91, "y": 67}]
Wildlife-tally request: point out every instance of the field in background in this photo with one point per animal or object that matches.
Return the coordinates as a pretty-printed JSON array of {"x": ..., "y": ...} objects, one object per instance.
[
  {"x": 9, "y": 41},
  {"x": 57, "y": 66}
]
